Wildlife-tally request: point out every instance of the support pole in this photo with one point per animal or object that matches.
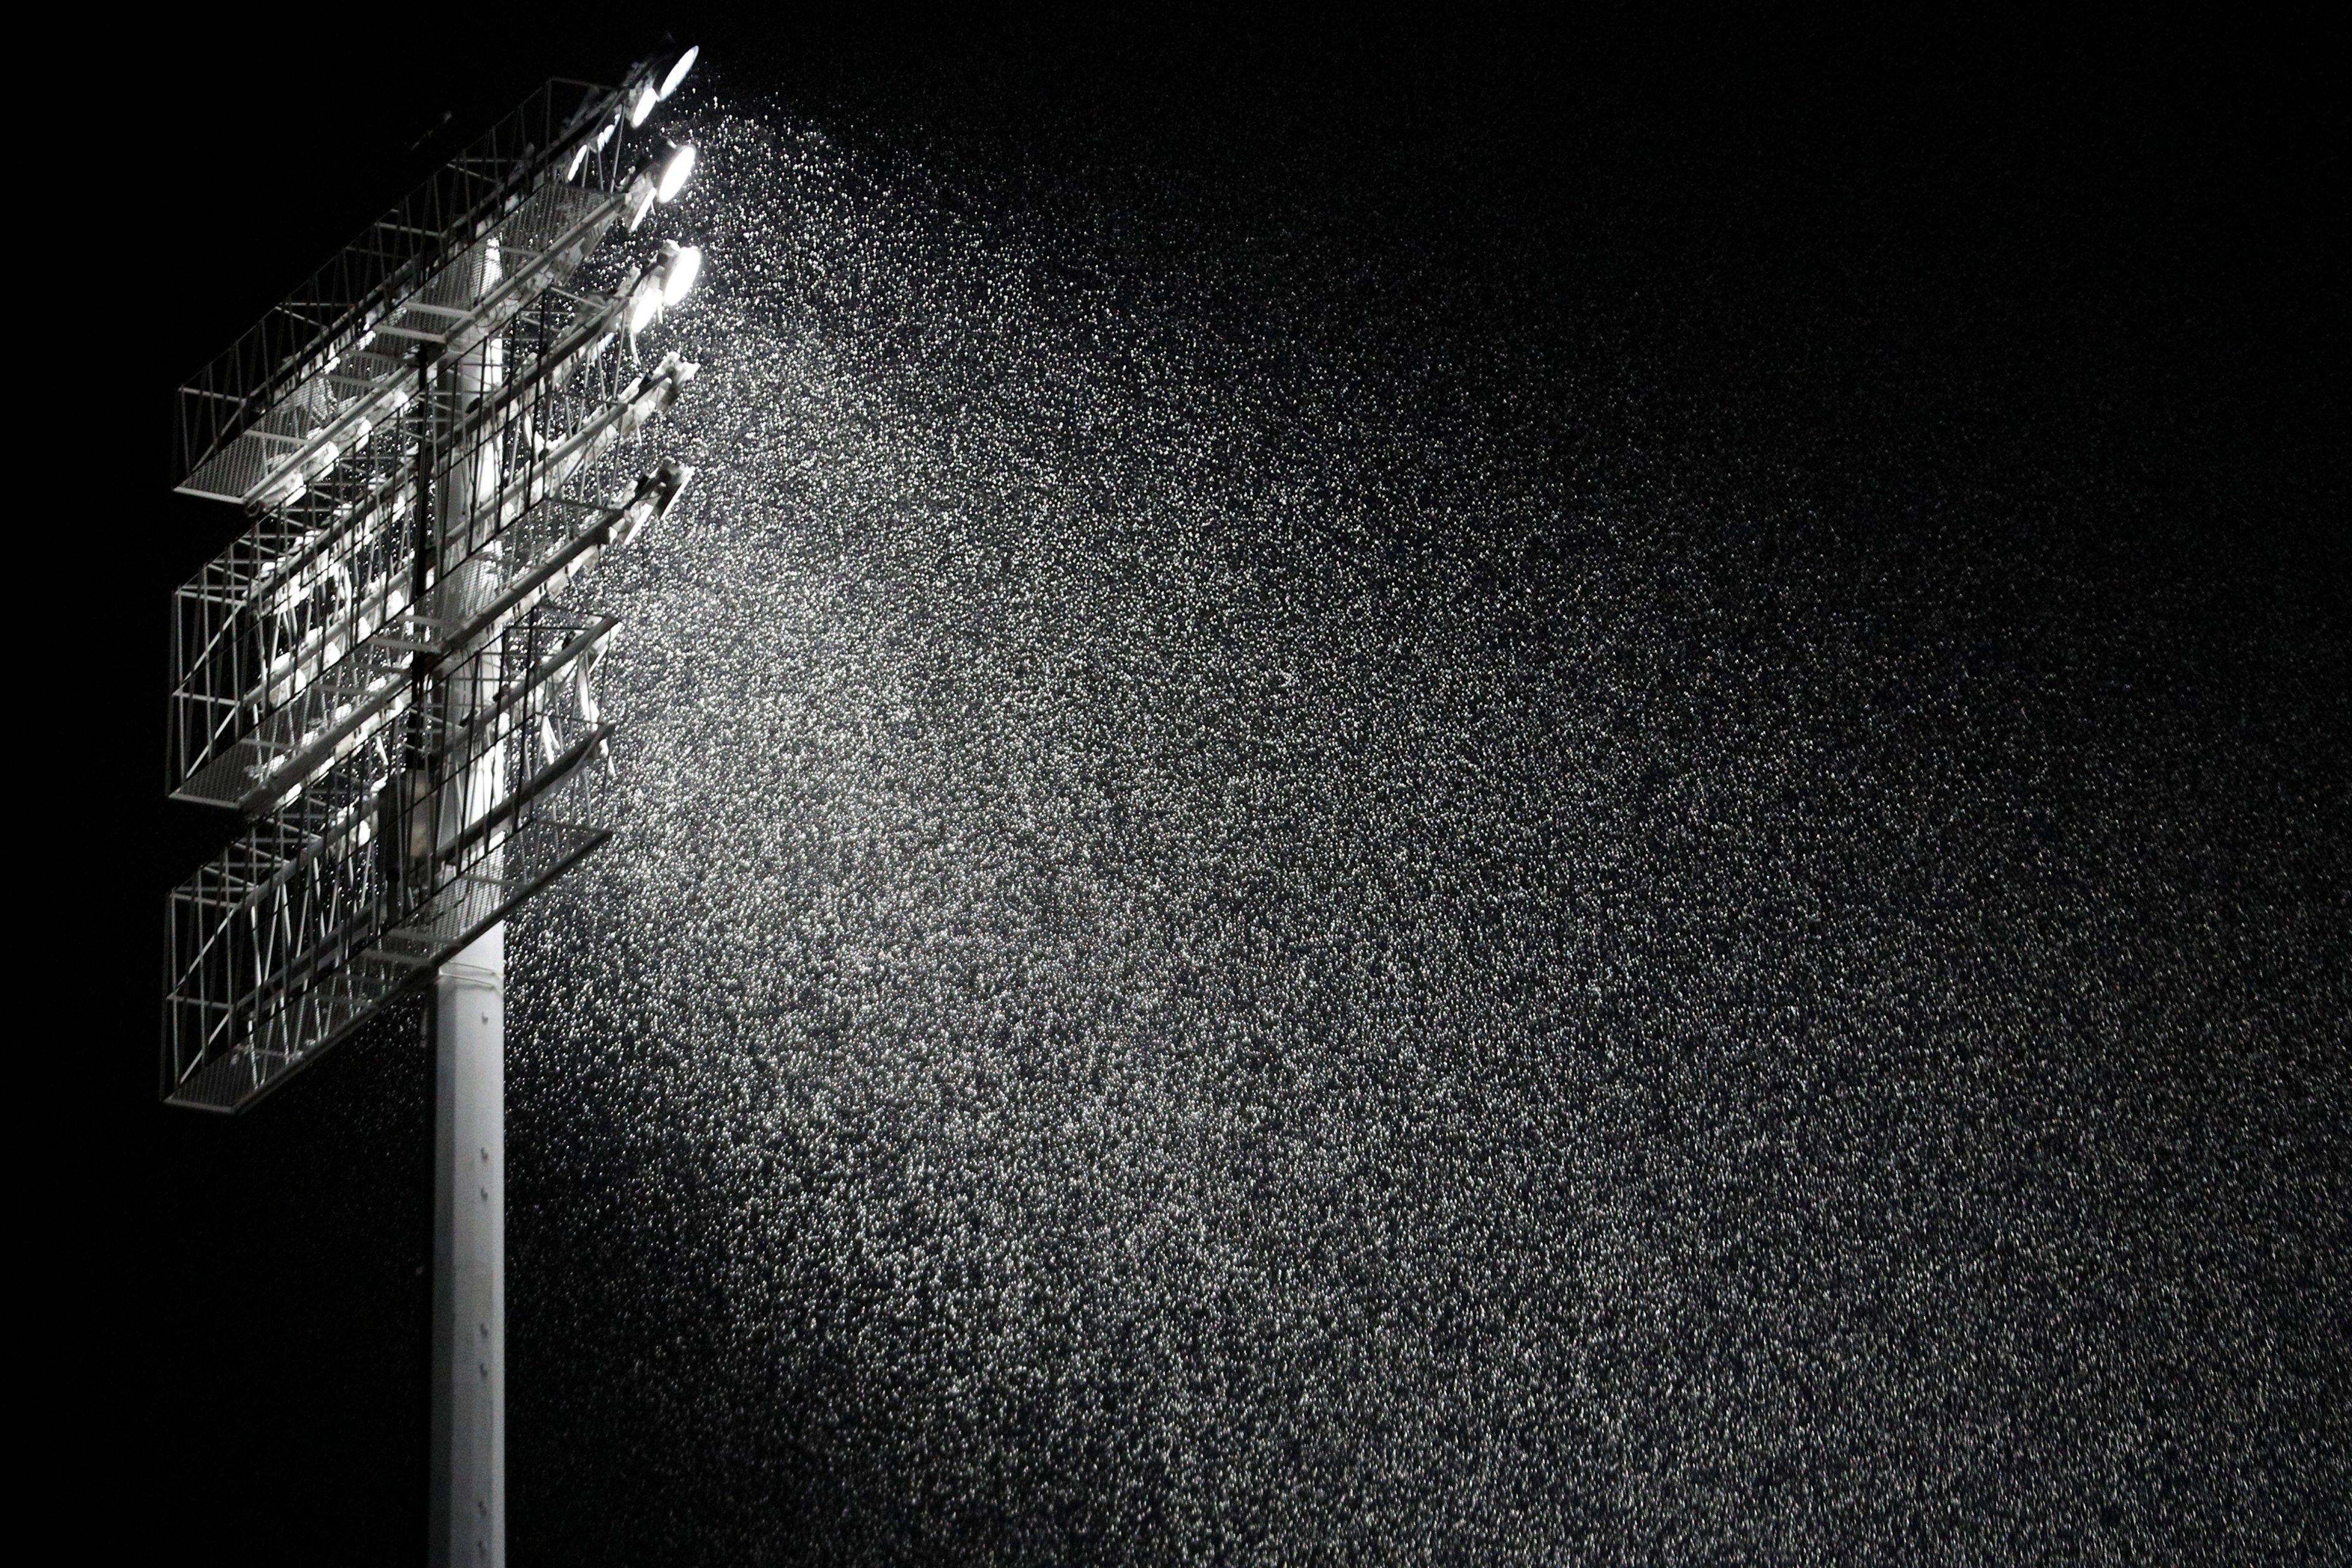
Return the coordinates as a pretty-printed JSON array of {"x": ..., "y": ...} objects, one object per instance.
[
  {"x": 468, "y": 1507},
  {"x": 469, "y": 1329}
]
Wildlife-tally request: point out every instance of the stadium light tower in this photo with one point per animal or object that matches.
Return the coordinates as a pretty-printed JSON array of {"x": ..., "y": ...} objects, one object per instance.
[{"x": 431, "y": 437}]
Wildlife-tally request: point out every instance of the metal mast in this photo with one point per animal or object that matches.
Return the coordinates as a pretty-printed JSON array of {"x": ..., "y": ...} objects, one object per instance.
[
  {"x": 467, "y": 1492},
  {"x": 429, "y": 439}
]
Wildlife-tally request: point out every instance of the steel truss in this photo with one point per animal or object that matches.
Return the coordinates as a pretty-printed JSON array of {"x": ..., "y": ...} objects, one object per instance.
[{"x": 429, "y": 440}]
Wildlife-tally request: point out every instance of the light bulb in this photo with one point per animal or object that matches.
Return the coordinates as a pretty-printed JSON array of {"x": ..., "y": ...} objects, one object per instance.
[
  {"x": 676, "y": 172},
  {"x": 678, "y": 72},
  {"x": 683, "y": 269}
]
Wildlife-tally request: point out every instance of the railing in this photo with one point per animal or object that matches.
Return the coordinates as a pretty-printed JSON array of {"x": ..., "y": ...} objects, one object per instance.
[
  {"x": 291, "y": 627},
  {"x": 320, "y": 910},
  {"x": 538, "y": 145}
]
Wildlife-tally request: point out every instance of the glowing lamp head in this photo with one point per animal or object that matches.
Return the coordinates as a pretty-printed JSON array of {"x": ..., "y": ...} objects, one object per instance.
[
  {"x": 676, "y": 172},
  {"x": 647, "y": 98},
  {"x": 678, "y": 72},
  {"x": 579, "y": 156},
  {"x": 645, "y": 307},
  {"x": 679, "y": 276}
]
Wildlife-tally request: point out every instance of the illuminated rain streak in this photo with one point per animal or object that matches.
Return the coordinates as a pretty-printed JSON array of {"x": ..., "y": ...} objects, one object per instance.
[{"x": 1200, "y": 965}]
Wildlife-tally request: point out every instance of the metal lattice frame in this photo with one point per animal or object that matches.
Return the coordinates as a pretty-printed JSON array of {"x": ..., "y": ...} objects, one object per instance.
[
  {"x": 294, "y": 643},
  {"x": 373, "y": 673},
  {"x": 575, "y": 129},
  {"x": 291, "y": 935}
]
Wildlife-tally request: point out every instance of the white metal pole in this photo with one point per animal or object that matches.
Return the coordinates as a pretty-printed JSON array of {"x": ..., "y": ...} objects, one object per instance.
[
  {"x": 468, "y": 1508},
  {"x": 469, "y": 1326}
]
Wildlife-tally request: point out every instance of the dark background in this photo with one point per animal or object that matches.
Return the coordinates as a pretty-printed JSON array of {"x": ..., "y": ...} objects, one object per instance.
[{"x": 1930, "y": 240}]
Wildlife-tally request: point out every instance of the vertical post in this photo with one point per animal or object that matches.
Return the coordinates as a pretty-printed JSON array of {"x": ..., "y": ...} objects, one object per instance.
[
  {"x": 469, "y": 1328},
  {"x": 468, "y": 1508}
]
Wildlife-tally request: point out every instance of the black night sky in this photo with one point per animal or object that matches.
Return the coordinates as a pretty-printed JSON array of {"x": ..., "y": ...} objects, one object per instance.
[{"x": 1408, "y": 792}]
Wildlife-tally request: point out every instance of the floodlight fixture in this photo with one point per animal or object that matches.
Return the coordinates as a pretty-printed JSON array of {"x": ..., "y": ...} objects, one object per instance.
[
  {"x": 647, "y": 305},
  {"x": 378, "y": 674},
  {"x": 641, "y": 200},
  {"x": 674, "y": 173},
  {"x": 679, "y": 277}
]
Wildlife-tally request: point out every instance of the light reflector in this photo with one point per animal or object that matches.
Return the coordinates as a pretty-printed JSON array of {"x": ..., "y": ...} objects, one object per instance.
[
  {"x": 676, "y": 172},
  {"x": 683, "y": 268},
  {"x": 645, "y": 307}
]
